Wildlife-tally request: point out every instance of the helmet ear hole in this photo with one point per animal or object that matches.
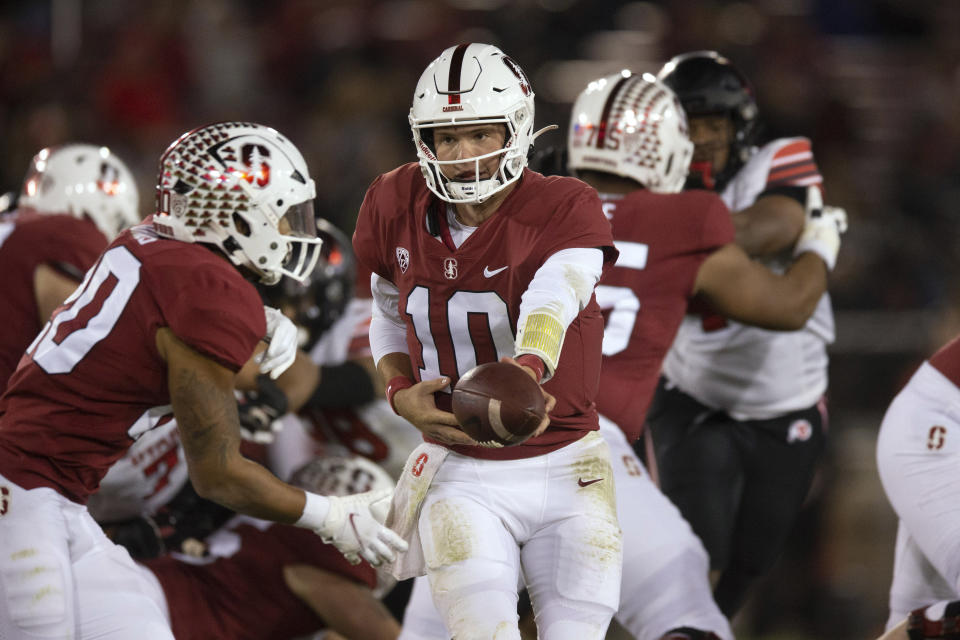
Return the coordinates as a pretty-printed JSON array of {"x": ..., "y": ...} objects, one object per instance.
[{"x": 241, "y": 225}]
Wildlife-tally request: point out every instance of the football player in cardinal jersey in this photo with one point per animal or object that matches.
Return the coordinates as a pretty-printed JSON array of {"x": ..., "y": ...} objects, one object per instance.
[
  {"x": 74, "y": 200},
  {"x": 628, "y": 139},
  {"x": 162, "y": 323},
  {"x": 738, "y": 419},
  {"x": 477, "y": 259},
  {"x": 918, "y": 449}
]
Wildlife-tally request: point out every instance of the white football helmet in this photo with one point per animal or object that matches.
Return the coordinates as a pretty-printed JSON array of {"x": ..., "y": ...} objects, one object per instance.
[
  {"x": 467, "y": 85},
  {"x": 244, "y": 188},
  {"x": 631, "y": 126},
  {"x": 83, "y": 180}
]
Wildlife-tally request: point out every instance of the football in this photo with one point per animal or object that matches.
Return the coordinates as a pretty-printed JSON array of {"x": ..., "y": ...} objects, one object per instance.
[{"x": 498, "y": 404}]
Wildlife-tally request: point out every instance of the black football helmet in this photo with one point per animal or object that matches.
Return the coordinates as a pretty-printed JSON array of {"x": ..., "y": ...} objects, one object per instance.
[
  {"x": 323, "y": 296},
  {"x": 707, "y": 83}
]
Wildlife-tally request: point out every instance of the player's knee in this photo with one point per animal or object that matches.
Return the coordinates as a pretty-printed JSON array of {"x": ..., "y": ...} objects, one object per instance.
[
  {"x": 566, "y": 620},
  {"x": 940, "y": 621},
  {"x": 689, "y": 633},
  {"x": 594, "y": 584},
  {"x": 477, "y": 599},
  {"x": 484, "y": 616}
]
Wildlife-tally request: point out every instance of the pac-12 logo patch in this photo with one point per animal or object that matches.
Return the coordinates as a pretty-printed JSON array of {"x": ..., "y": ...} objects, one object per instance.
[
  {"x": 403, "y": 259},
  {"x": 450, "y": 268},
  {"x": 799, "y": 431}
]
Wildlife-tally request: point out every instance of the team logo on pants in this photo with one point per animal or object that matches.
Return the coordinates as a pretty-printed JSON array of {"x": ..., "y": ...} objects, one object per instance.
[
  {"x": 799, "y": 431},
  {"x": 4, "y": 500},
  {"x": 417, "y": 467},
  {"x": 935, "y": 440}
]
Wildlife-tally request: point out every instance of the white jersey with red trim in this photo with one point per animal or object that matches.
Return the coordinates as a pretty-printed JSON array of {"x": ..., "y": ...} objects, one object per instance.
[
  {"x": 752, "y": 373},
  {"x": 146, "y": 478}
]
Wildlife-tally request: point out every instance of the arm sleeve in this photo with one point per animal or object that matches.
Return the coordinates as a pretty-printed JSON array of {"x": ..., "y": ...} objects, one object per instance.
[
  {"x": 388, "y": 333},
  {"x": 560, "y": 289}
]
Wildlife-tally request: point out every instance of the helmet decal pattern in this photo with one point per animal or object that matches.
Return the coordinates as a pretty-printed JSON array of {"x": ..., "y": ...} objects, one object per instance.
[
  {"x": 521, "y": 76},
  {"x": 229, "y": 184},
  {"x": 632, "y": 126}
]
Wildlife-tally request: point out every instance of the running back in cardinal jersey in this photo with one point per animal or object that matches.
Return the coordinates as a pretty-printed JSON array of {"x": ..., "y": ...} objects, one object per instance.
[
  {"x": 239, "y": 592},
  {"x": 756, "y": 373},
  {"x": 476, "y": 289},
  {"x": 663, "y": 239},
  {"x": 94, "y": 381},
  {"x": 27, "y": 240}
]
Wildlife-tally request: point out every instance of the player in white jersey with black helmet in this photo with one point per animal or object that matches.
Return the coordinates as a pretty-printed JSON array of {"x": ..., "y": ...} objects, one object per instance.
[{"x": 738, "y": 419}]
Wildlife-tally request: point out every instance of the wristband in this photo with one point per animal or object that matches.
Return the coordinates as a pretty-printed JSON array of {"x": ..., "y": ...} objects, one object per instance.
[
  {"x": 396, "y": 384},
  {"x": 315, "y": 511},
  {"x": 533, "y": 362}
]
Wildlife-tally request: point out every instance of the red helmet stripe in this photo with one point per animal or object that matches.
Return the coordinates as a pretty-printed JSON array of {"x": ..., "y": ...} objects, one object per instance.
[
  {"x": 453, "y": 80},
  {"x": 607, "y": 107}
]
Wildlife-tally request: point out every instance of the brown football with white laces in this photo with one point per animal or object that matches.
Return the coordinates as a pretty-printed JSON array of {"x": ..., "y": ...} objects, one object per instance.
[{"x": 498, "y": 404}]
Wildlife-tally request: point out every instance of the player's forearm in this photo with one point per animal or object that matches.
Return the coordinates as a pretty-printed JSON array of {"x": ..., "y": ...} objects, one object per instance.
[
  {"x": 808, "y": 278},
  {"x": 394, "y": 364},
  {"x": 209, "y": 427},
  {"x": 560, "y": 288},
  {"x": 769, "y": 226},
  {"x": 211, "y": 444},
  {"x": 786, "y": 302},
  {"x": 246, "y": 487}
]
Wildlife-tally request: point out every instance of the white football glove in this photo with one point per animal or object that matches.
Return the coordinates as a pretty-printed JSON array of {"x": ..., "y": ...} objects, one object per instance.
[
  {"x": 282, "y": 336},
  {"x": 822, "y": 229},
  {"x": 354, "y": 526}
]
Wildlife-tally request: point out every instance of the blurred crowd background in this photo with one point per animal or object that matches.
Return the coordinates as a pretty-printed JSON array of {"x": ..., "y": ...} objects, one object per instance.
[{"x": 874, "y": 84}]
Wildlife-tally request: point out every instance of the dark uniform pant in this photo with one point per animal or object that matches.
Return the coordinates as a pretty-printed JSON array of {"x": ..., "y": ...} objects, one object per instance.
[{"x": 739, "y": 483}]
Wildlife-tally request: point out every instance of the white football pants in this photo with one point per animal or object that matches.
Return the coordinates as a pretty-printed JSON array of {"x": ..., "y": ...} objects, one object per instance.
[
  {"x": 553, "y": 515},
  {"x": 918, "y": 457},
  {"x": 61, "y": 577},
  {"x": 665, "y": 581}
]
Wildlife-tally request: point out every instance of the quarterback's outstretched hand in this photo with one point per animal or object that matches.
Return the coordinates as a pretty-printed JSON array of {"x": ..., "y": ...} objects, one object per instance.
[
  {"x": 354, "y": 526},
  {"x": 822, "y": 229},
  {"x": 282, "y": 336}
]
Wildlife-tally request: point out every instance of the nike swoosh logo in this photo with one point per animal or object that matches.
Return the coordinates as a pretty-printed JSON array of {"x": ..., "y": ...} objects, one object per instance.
[
  {"x": 353, "y": 526},
  {"x": 487, "y": 273},
  {"x": 588, "y": 482}
]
